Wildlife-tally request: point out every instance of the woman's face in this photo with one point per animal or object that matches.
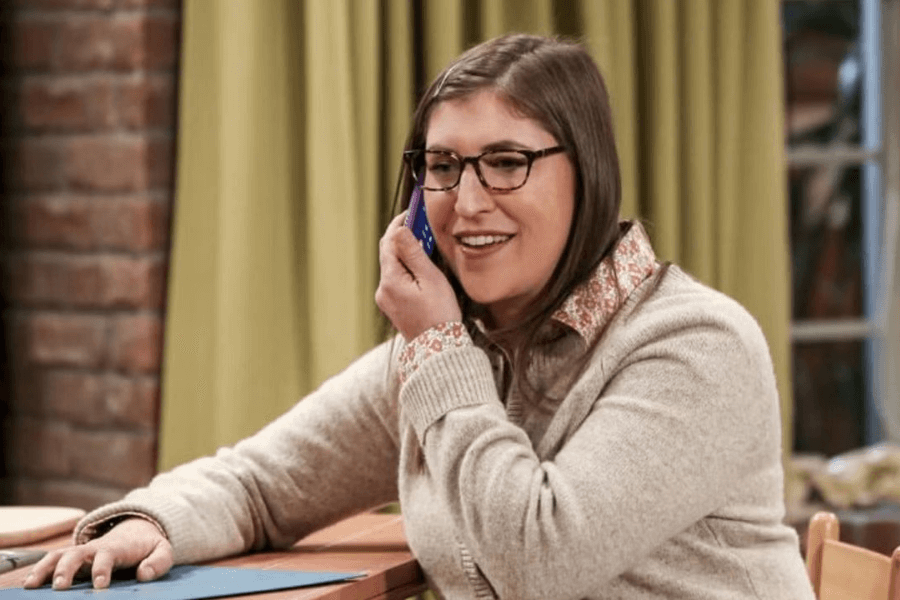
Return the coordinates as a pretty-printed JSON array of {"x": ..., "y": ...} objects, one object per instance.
[{"x": 502, "y": 246}]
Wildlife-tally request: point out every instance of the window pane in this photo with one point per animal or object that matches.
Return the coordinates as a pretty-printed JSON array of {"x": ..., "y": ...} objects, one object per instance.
[
  {"x": 826, "y": 251},
  {"x": 824, "y": 71},
  {"x": 829, "y": 397}
]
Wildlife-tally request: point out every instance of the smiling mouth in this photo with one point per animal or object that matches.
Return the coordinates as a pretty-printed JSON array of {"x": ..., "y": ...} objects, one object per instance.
[{"x": 482, "y": 241}]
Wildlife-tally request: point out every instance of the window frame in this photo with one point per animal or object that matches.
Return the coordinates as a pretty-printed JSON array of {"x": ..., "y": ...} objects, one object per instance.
[{"x": 879, "y": 159}]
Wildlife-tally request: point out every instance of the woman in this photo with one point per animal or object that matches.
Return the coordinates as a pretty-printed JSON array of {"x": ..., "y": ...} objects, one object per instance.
[{"x": 563, "y": 416}]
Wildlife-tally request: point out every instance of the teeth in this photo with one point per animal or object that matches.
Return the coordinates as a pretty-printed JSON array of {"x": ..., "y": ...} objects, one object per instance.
[{"x": 483, "y": 240}]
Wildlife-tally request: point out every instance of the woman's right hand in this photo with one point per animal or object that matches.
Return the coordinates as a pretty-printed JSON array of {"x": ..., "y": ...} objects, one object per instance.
[{"x": 134, "y": 542}]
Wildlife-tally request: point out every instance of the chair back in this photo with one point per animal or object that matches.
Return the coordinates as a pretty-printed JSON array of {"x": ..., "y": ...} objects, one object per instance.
[{"x": 842, "y": 571}]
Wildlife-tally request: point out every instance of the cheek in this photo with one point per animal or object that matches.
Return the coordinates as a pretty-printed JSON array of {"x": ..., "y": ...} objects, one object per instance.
[
  {"x": 438, "y": 211},
  {"x": 550, "y": 228}
]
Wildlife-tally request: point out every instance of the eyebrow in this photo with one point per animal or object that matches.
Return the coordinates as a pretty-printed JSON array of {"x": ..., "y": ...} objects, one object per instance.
[{"x": 498, "y": 145}]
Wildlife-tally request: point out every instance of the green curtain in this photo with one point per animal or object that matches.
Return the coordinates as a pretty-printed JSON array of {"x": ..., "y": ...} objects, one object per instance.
[{"x": 292, "y": 118}]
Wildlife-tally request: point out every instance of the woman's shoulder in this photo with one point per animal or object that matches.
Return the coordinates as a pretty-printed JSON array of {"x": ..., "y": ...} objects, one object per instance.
[
  {"x": 673, "y": 303},
  {"x": 374, "y": 369}
]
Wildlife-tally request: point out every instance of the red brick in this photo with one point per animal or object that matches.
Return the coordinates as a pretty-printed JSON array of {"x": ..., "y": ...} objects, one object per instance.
[
  {"x": 128, "y": 4},
  {"x": 147, "y": 390},
  {"x": 132, "y": 402},
  {"x": 161, "y": 161},
  {"x": 35, "y": 164},
  {"x": 160, "y": 43},
  {"x": 107, "y": 163},
  {"x": 59, "y": 376},
  {"x": 137, "y": 343},
  {"x": 124, "y": 459},
  {"x": 74, "y": 396},
  {"x": 129, "y": 38},
  {"x": 12, "y": 217},
  {"x": 10, "y": 116},
  {"x": 147, "y": 102},
  {"x": 133, "y": 223},
  {"x": 136, "y": 224},
  {"x": 38, "y": 447},
  {"x": 121, "y": 43},
  {"x": 33, "y": 491},
  {"x": 60, "y": 280},
  {"x": 24, "y": 389},
  {"x": 32, "y": 44},
  {"x": 133, "y": 282},
  {"x": 65, "y": 4},
  {"x": 67, "y": 104},
  {"x": 66, "y": 340},
  {"x": 87, "y": 43},
  {"x": 56, "y": 280},
  {"x": 58, "y": 222}
]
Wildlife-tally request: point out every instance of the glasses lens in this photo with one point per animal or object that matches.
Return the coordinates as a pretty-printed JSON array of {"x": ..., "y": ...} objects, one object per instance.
[
  {"x": 504, "y": 169},
  {"x": 441, "y": 170}
]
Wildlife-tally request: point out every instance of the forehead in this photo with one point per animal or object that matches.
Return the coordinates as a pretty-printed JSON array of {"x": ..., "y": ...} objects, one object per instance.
[{"x": 480, "y": 119}]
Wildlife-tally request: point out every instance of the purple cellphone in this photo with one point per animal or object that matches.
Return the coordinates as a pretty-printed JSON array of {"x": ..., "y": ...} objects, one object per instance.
[{"x": 417, "y": 220}]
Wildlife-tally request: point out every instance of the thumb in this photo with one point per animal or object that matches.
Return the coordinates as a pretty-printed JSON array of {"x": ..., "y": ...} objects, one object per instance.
[{"x": 157, "y": 563}]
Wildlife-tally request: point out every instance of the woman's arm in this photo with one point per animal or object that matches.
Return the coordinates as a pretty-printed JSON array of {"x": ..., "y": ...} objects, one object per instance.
[
  {"x": 333, "y": 454},
  {"x": 690, "y": 412}
]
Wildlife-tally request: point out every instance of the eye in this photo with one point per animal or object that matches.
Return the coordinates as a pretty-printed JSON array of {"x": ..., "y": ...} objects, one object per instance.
[
  {"x": 441, "y": 163},
  {"x": 505, "y": 161}
]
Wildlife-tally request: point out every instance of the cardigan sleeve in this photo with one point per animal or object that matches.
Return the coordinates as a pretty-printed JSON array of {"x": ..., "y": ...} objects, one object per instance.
[
  {"x": 688, "y": 412},
  {"x": 333, "y": 454}
]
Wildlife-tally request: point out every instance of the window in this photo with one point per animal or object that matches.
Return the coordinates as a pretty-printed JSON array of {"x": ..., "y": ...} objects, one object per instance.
[{"x": 841, "y": 70}]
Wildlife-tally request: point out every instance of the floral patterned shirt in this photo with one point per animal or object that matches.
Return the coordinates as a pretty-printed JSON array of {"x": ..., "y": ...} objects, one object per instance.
[{"x": 589, "y": 308}]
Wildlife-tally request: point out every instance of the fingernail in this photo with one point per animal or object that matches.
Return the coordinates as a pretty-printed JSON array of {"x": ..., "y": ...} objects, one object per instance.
[
  {"x": 58, "y": 582},
  {"x": 99, "y": 581},
  {"x": 29, "y": 578}
]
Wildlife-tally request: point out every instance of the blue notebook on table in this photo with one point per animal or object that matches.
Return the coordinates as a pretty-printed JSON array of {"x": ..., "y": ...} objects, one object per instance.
[{"x": 189, "y": 582}]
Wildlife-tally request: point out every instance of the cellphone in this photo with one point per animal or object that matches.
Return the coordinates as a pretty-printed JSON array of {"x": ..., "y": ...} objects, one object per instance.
[{"x": 417, "y": 220}]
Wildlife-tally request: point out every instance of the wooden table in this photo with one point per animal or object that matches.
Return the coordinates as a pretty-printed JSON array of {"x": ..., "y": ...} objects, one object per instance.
[{"x": 371, "y": 543}]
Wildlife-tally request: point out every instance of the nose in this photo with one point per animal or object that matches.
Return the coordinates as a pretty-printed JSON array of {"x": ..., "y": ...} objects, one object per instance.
[{"x": 471, "y": 197}]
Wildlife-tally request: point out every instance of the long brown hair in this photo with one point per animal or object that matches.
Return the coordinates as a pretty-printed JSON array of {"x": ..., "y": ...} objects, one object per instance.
[{"x": 556, "y": 83}]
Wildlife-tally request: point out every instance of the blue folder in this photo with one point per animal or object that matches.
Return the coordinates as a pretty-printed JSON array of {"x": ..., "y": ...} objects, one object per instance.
[{"x": 189, "y": 582}]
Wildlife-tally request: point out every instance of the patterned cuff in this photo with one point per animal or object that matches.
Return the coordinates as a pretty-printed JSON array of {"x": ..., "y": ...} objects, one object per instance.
[
  {"x": 103, "y": 526},
  {"x": 448, "y": 335}
]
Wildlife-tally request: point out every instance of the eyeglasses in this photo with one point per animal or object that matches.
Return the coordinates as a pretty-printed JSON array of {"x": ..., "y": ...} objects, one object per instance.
[{"x": 497, "y": 170}]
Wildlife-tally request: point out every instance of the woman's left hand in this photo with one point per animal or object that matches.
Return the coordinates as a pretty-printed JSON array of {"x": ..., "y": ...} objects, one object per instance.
[{"x": 413, "y": 293}]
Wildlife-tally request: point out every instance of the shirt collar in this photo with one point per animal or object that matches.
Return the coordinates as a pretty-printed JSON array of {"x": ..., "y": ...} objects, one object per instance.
[{"x": 593, "y": 303}]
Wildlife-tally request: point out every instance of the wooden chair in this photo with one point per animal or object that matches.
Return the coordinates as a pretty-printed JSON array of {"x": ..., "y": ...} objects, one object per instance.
[{"x": 841, "y": 571}]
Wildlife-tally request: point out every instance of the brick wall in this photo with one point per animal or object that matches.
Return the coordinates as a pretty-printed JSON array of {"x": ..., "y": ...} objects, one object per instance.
[{"x": 88, "y": 121}]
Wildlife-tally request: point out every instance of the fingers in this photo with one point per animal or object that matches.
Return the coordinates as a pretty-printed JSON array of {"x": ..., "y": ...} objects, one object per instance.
[
  {"x": 132, "y": 542},
  {"x": 42, "y": 570},
  {"x": 412, "y": 293},
  {"x": 410, "y": 252},
  {"x": 60, "y": 565},
  {"x": 400, "y": 252},
  {"x": 65, "y": 566},
  {"x": 101, "y": 572},
  {"x": 392, "y": 267},
  {"x": 157, "y": 563}
]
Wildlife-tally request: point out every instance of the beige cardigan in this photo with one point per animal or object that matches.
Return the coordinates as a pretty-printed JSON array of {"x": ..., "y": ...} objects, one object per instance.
[{"x": 657, "y": 475}]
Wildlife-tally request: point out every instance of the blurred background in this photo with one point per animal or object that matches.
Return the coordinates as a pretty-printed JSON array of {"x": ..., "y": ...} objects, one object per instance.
[{"x": 192, "y": 193}]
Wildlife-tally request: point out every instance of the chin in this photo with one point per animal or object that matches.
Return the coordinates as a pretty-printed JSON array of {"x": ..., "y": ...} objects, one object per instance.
[
  {"x": 490, "y": 300},
  {"x": 480, "y": 292}
]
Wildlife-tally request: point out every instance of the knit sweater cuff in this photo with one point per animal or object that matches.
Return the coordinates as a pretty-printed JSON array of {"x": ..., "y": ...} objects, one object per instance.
[
  {"x": 166, "y": 516},
  {"x": 452, "y": 379}
]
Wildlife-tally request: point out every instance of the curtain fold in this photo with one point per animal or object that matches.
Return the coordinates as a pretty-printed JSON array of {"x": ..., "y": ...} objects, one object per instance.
[
  {"x": 293, "y": 117},
  {"x": 232, "y": 262}
]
